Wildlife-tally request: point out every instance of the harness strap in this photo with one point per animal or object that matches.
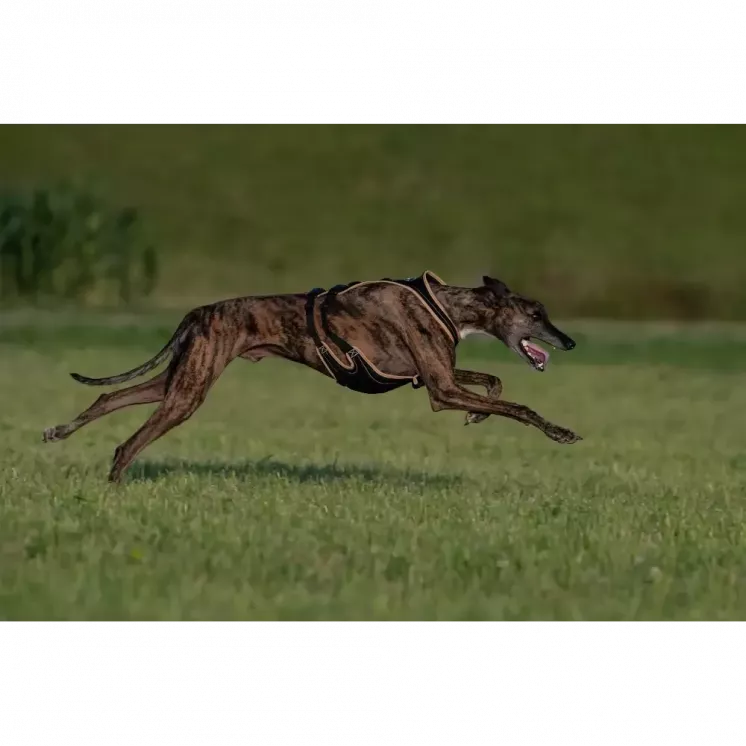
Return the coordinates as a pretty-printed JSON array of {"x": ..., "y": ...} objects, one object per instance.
[
  {"x": 422, "y": 287},
  {"x": 331, "y": 296},
  {"x": 310, "y": 320}
]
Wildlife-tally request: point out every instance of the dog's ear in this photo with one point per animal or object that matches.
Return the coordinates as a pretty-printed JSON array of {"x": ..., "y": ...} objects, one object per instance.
[{"x": 498, "y": 286}]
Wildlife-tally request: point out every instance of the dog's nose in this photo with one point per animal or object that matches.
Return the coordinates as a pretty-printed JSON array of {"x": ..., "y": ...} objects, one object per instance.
[{"x": 570, "y": 345}]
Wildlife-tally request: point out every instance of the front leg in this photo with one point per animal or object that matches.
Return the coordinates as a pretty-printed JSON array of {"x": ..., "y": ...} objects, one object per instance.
[
  {"x": 446, "y": 393},
  {"x": 436, "y": 366},
  {"x": 454, "y": 397},
  {"x": 492, "y": 384}
]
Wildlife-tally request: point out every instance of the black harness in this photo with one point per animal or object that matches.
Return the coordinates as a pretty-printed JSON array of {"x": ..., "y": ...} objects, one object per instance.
[{"x": 361, "y": 375}]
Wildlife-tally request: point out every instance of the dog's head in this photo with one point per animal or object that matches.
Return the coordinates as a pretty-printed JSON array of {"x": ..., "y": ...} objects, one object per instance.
[{"x": 515, "y": 320}]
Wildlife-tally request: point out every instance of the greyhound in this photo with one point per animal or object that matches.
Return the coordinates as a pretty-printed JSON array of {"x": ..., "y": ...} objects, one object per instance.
[{"x": 368, "y": 336}]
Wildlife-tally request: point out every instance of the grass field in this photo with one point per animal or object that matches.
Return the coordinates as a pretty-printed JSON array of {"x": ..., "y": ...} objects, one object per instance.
[{"x": 286, "y": 497}]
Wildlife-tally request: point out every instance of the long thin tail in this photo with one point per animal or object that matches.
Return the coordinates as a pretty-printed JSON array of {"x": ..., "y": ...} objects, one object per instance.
[{"x": 165, "y": 351}]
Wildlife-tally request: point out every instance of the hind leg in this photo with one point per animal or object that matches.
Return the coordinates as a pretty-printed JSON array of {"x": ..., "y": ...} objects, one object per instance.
[
  {"x": 165, "y": 418},
  {"x": 144, "y": 393},
  {"x": 191, "y": 379}
]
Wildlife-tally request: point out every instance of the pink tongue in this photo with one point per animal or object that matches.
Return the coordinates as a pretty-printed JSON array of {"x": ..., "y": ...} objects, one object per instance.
[{"x": 537, "y": 352}]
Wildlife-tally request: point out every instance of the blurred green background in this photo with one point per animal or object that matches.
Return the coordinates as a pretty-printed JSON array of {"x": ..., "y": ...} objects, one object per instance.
[{"x": 598, "y": 221}]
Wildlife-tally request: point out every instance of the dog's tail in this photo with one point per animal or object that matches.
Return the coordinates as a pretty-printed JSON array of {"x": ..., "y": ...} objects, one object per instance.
[{"x": 165, "y": 351}]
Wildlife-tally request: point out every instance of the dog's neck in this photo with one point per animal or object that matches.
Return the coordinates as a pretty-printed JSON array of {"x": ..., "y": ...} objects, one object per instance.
[{"x": 464, "y": 306}]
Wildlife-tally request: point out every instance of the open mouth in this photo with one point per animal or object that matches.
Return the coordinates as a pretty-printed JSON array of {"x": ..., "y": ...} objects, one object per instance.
[{"x": 537, "y": 356}]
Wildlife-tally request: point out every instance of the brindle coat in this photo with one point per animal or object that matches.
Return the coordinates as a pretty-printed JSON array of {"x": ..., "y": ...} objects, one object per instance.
[{"x": 389, "y": 325}]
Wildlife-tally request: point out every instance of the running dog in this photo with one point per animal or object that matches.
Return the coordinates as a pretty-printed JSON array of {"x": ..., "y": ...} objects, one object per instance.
[{"x": 370, "y": 337}]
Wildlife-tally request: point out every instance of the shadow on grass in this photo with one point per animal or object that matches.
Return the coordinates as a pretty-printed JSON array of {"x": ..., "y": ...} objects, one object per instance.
[{"x": 149, "y": 471}]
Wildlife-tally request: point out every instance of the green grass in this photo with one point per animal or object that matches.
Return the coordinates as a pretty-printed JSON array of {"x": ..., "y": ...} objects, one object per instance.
[
  {"x": 634, "y": 221},
  {"x": 287, "y": 497}
]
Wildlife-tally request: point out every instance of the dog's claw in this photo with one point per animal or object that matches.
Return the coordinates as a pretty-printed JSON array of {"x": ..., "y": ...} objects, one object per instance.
[
  {"x": 563, "y": 435},
  {"x": 51, "y": 434},
  {"x": 472, "y": 418}
]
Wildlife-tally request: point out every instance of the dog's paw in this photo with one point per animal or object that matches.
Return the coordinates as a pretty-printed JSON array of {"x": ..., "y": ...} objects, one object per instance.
[
  {"x": 473, "y": 418},
  {"x": 53, "y": 433},
  {"x": 562, "y": 435}
]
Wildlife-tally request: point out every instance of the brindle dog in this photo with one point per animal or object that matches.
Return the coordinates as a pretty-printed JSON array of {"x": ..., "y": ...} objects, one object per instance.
[{"x": 385, "y": 321}]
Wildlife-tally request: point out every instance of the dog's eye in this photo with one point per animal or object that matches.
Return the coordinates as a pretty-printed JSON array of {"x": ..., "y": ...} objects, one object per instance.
[{"x": 536, "y": 315}]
